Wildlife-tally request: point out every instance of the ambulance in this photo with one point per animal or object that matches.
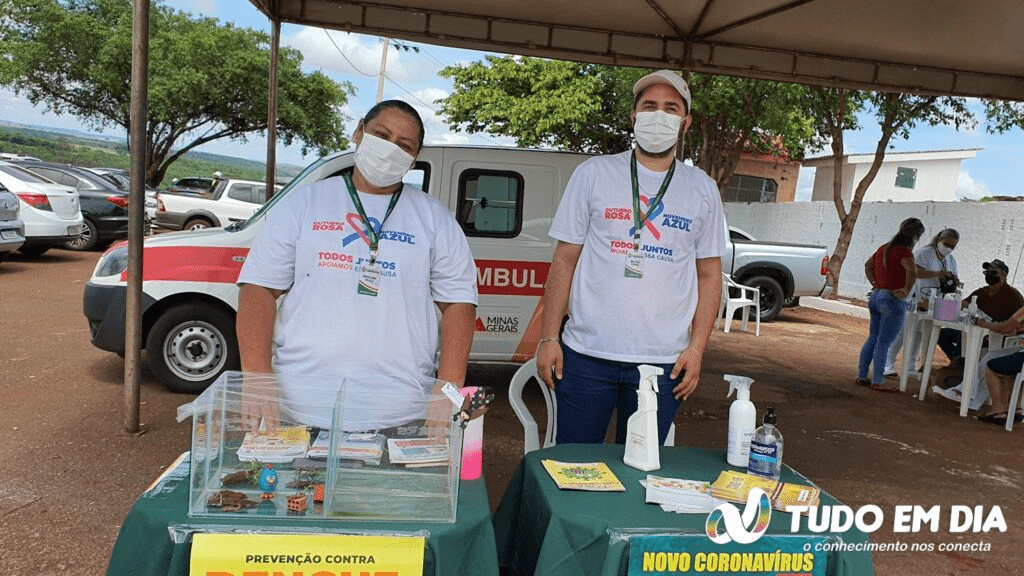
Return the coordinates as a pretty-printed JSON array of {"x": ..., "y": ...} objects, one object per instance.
[{"x": 504, "y": 199}]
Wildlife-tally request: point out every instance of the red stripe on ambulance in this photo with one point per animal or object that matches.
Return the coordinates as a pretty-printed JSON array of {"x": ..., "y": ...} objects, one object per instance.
[
  {"x": 511, "y": 277},
  {"x": 192, "y": 264}
]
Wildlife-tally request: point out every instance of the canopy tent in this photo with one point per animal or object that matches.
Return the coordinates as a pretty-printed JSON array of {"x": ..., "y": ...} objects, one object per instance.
[{"x": 924, "y": 46}]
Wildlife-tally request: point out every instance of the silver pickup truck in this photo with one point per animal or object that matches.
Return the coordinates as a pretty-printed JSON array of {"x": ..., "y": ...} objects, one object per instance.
[{"x": 783, "y": 272}]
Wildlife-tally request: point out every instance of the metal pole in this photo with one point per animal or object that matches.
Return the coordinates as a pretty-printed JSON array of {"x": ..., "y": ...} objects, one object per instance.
[
  {"x": 136, "y": 216},
  {"x": 275, "y": 44},
  {"x": 383, "y": 67}
]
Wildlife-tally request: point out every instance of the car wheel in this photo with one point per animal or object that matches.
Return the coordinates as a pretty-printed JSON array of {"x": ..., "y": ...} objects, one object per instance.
[
  {"x": 190, "y": 345},
  {"x": 3, "y": 256},
  {"x": 772, "y": 296},
  {"x": 197, "y": 224},
  {"x": 86, "y": 240},
  {"x": 34, "y": 250}
]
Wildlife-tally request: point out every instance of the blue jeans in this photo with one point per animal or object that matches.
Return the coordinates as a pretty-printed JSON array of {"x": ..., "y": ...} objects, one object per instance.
[
  {"x": 591, "y": 388},
  {"x": 887, "y": 313}
]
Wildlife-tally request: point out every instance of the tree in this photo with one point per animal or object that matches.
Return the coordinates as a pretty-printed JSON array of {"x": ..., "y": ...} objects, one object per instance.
[
  {"x": 585, "y": 108},
  {"x": 897, "y": 115},
  {"x": 207, "y": 80}
]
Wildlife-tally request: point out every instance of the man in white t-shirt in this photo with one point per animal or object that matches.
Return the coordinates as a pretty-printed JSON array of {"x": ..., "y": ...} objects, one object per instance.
[
  {"x": 358, "y": 301},
  {"x": 640, "y": 242}
]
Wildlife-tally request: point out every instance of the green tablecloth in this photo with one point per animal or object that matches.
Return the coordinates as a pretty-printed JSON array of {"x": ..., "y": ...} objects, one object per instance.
[
  {"x": 543, "y": 531},
  {"x": 145, "y": 547}
]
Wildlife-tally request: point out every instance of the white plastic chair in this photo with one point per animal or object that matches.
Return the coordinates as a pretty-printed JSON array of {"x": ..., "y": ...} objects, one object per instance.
[
  {"x": 1015, "y": 401},
  {"x": 748, "y": 297},
  {"x": 531, "y": 435}
]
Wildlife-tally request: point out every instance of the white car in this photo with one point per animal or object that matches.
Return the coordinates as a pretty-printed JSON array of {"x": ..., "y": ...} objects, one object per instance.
[{"x": 50, "y": 211}]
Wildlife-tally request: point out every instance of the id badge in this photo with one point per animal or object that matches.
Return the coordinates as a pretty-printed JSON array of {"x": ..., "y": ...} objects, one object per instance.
[
  {"x": 369, "y": 280},
  {"x": 634, "y": 264}
]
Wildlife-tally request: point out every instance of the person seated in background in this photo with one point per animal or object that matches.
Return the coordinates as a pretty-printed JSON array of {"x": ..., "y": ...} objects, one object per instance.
[
  {"x": 937, "y": 272},
  {"x": 999, "y": 301},
  {"x": 1000, "y": 368}
]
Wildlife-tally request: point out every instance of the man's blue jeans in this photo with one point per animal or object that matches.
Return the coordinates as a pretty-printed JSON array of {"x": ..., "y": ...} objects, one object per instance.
[
  {"x": 887, "y": 313},
  {"x": 591, "y": 388}
]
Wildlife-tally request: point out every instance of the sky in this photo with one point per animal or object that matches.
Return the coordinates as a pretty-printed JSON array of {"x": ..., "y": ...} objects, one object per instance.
[{"x": 412, "y": 76}]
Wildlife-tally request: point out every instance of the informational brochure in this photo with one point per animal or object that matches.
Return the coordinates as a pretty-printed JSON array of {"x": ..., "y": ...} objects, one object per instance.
[
  {"x": 418, "y": 451},
  {"x": 593, "y": 476},
  {"x": 735, "y": 486},
  {"x": 282, "y": 446}
]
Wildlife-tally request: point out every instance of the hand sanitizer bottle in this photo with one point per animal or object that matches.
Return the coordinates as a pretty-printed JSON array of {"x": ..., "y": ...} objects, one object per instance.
[
  {"x": 642, "y": 450},
  {"x": 766, "y": 448},
  {"x": 972, "y": 308},
  {"x": 742, "y": 420}
]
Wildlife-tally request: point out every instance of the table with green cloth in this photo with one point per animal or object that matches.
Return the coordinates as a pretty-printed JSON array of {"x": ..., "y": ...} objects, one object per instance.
[
  {"x": 145, "y": 546},
  {"x": 543, "y": 531}
]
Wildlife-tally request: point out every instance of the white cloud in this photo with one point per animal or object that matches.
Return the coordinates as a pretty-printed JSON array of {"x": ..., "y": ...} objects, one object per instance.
[
  {"x": 969, "y": 188},
  {"x": 198, "y": 7},
  {"x": 355, "y": 54}
]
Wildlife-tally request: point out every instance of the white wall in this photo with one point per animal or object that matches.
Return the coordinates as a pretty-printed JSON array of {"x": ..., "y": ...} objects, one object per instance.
[
  {"x": 936, "y": 181},
  {"x": 987, "y": 230}
]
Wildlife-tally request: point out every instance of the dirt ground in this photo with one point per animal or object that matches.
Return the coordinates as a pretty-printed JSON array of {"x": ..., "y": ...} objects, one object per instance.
[{"x": 70, "y": 474}]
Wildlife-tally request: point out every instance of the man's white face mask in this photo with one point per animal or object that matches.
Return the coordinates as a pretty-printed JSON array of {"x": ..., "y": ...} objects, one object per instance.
[
  {"x": 382, "y": 163},
  {"x": 656, "y": 131},
  {"x": 944, "y": 250}
]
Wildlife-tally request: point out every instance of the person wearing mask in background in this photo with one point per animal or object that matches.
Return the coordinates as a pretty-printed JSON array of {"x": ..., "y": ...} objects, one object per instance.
[
  {"x": 645, "y": 288},
  {"x": 937, "y": 272},
  {"x": 892, "y": 272},
  {"x": 999, "y": 301},
  {"x": 1000, "y": 367},
  {"x": 359, "y": 262}
]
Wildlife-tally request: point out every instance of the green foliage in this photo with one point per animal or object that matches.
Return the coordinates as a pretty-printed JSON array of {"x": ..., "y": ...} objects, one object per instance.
[
  {"x": 1004, "y": 116},
  {"x": 207, "y": 80},
  {"x": 586, "y": 107},
  {"x": 543, "y": 103}
]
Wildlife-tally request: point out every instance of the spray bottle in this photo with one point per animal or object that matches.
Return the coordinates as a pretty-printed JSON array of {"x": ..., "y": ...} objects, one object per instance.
[
  {"x": 742, "y": 420},
  {"x": 642, "y": 450}
]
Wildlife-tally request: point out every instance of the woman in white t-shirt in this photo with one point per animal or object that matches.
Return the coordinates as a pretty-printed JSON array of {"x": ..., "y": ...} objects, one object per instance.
[
  {"x": 936, "y": 271},
  {"x": 359, "y": 263}
]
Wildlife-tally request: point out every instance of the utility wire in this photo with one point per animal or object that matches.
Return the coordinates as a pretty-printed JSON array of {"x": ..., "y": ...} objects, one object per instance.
[{"x": 336, "y": 47}]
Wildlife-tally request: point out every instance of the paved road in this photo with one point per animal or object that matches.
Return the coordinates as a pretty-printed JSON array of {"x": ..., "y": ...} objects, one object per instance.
[{"x": 69, "y": 474}]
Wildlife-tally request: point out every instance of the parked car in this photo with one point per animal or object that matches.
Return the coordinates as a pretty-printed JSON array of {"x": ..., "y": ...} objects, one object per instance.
[
  {"x": 123, "y": 180},
  {"x": 49, "y": 211},
  {"x": 190, "y": 185},
  {"x": 229, "y": 200},
  {"x": 104, "y": 205},
  {"x": 12, "y": 229},
  {"x": 504, "y": 200}
]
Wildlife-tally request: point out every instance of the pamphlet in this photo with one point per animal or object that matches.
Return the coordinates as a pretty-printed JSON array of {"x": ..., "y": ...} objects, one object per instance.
[
  {"x": 735, "y": 486},
  {"x": 418, "y": 451},
  {"x": 680, "y": 495},
  {"x": 282, "y": 446},
  {"x": 593, "y": 476},
  {"x": 367, "y": 447}
]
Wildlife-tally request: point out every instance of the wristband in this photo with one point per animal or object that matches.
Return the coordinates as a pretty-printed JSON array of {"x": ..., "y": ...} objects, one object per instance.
[{"x": 543, "y": 340}]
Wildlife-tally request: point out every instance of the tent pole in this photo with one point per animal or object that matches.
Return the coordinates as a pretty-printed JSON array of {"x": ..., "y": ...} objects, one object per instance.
[
  {"x": 275, "y": 44},
  {"x": 136, "y": 217}
]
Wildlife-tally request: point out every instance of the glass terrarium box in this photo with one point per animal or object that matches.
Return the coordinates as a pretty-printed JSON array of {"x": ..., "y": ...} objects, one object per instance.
[{"x": 352, "y": 448}]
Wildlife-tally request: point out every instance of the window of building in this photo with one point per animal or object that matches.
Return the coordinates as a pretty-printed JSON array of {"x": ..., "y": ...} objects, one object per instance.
[
  {"x": 906, "y": 177},
  {"x": 751, "y": 189},
  {"x": 490, "y": 203}
]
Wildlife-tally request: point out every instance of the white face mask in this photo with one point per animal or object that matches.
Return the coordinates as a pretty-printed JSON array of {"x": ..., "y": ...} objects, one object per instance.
[
  {"x": 382, "y": 163},
  {"x": 943, "y": 249},
  {"x": 656, "y": 131}
]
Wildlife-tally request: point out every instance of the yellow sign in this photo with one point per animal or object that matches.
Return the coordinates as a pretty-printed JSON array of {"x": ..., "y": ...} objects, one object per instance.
[{"x": 305, "y": 555}]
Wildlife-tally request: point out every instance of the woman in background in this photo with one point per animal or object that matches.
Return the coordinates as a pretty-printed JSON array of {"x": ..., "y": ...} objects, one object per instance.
[{"x": 891, "y": 270}]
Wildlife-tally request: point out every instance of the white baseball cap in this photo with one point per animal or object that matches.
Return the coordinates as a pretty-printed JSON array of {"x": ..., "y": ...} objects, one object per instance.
[{"x": 667, "y": 77}]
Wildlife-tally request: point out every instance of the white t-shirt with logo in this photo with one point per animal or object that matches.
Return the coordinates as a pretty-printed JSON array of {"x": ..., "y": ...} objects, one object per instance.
[
  {"x": 313, "y": 245},
  {"x": 927, "y": 257},
  {"x": 643, "y": 319}
]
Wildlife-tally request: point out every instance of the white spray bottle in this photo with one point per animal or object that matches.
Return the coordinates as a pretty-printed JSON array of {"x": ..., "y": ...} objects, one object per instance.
[
  {"x": 642, "y": 450},
  {"x": 742, "y": 420}
]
